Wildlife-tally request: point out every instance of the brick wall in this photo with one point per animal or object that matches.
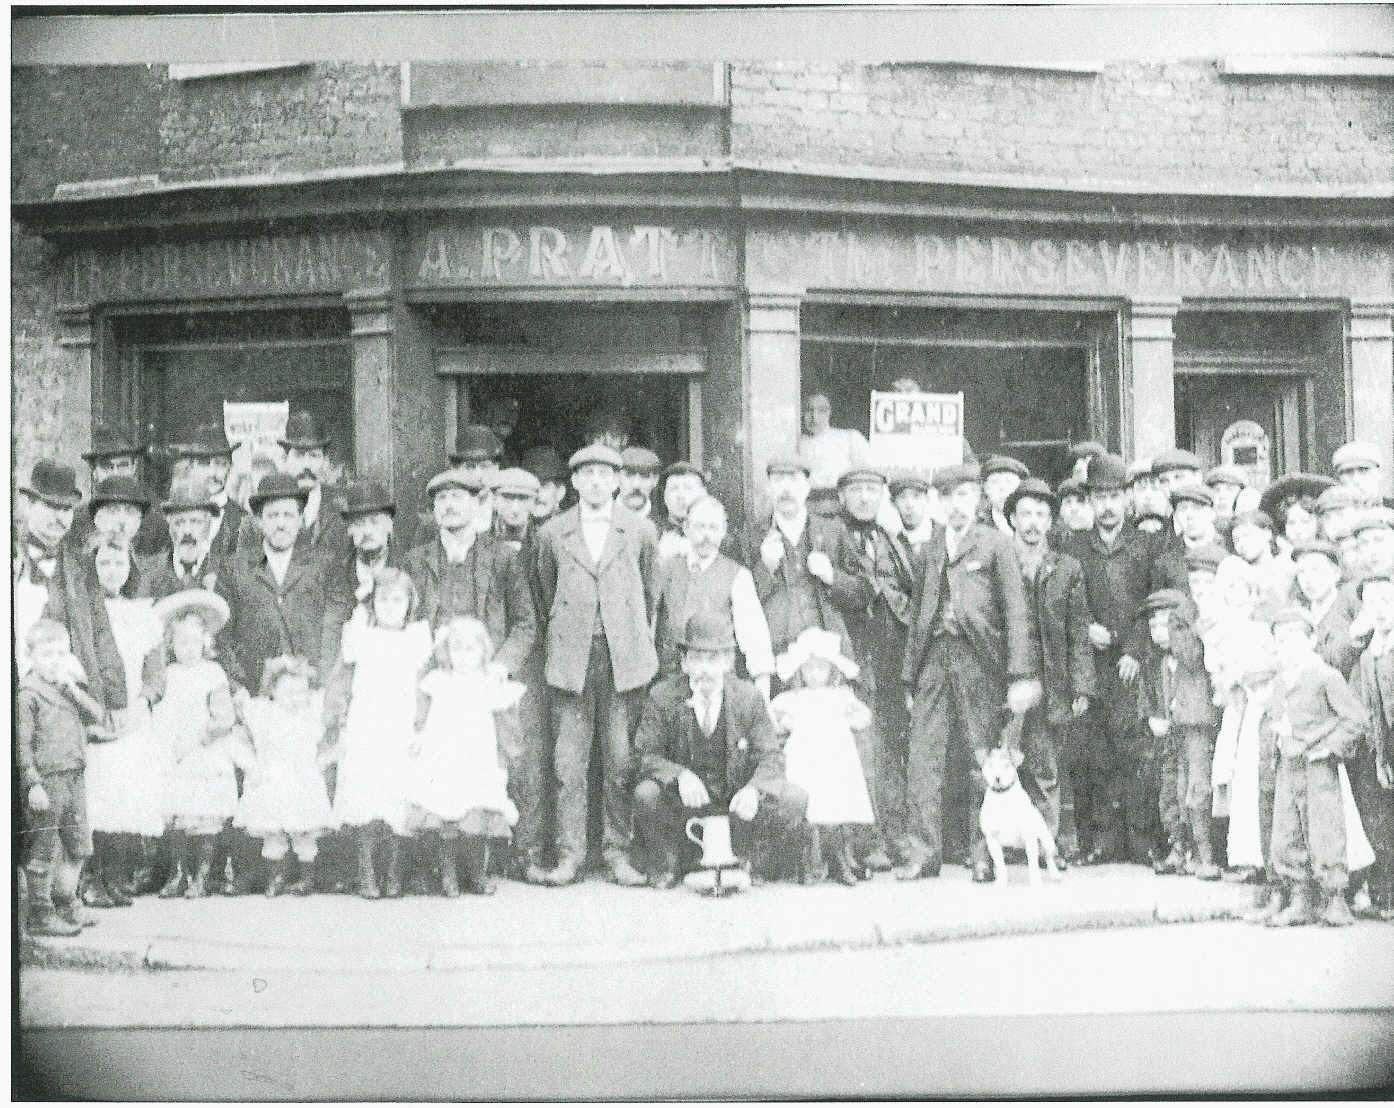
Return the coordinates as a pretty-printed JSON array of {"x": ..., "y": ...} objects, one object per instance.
[{"x": 1166, "y": 124}]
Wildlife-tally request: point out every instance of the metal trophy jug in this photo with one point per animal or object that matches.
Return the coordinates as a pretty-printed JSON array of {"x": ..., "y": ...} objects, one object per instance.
[{"x": 721, "y": 870}]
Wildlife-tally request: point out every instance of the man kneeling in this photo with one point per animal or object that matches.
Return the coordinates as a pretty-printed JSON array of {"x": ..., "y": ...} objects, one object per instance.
[{"x": 706, "y": 746}]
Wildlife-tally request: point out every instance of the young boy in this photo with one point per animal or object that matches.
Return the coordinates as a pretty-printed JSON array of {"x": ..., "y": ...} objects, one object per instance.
[
  {"x": 1324, "y": 723},
  {"x": 1372, "y": 769},
  {"x": 50, "y": 753},
  {"x": 1174, "y": 699},
  {"x": 1262, "y": 696}
]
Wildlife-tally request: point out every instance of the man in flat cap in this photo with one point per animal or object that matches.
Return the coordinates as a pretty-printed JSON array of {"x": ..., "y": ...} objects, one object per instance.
[
  {"x": 968, "y": 654},
  {"x": 118, "y": 453},
  {"x": 1116, "y": 807},
  {"x": 515, "y": 496},
  {"x": 638, "y": 478},
  {"x": 1193, "y": 516},
  {"x": 1332, "y": 609},
  {"x": 205, "y": 458},
  {"x": 1149, "y": 505},
  {"x": 910, "y": 496},
  {"x": 597, "y": 586},
  {"x": 1225, "y": 483},
  {"x": 1358, "y": 467},
  {"x": 1175, "y": 467},
  {"x": 1001, "y": 476}
]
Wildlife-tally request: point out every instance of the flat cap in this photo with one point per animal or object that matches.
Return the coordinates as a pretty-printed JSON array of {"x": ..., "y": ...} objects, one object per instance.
[
  {"x": 1207, "y": 557},
  {"x": 1106, "y": 471},
  {"x": 787, "y": 463},
  {"x": 899, "y": 482},
  {"x": 1291, "y": 613},
  {"x": 1227, "y": 475},
  {"x": 1354, "y": 454},
  {"x": 456, "y": 479},
  {"x": 1005, "y": 463},
  {"x": 1317, "y": 546},
  {"x": 1032, "y": 487},
  {"x": 1334, "y": 499},
  {"x": 1162, "y": 600},
  {"x": 859, "y": 476},
  {"x": 1252, "y": 518},
  {"x": 1138, "y": 467},
  {"x": 1175, "y": 459},
  {"x": 1071, "y": 486},
  {"x": 640, "y": 459},
  {"x": 516, "y": 481},
  {"x": 684, "y": 466},
  {"x": 476, "y": 443},
  {"x": 1196, "y": 494},
  {"x": 1372, "y": 519},
  {"x": 948, "y": 478},
  {"x": 1087, "y": 449},
  {"x": 597, "y": 453}
]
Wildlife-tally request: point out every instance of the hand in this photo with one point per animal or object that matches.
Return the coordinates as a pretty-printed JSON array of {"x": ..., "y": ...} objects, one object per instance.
[
  {"x": 242, "y": 698},
  {"x": 38, "y": 798},
  {"x": 1100, "y": 636},
  {"x": 772, "y": 551},
  {"x": 690, "y": 788},
  {"x": 745, "y": 803},
  {"x": 820, "y": 567},
  {"x": 1022, "y": 696},
  {"x": 1159, "y": 727},
  {"x": 1080, "y": 706},
  {"x": 1127, "y": 668}
]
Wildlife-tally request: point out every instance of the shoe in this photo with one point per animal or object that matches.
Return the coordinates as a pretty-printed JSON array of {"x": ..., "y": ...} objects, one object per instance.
[
  {"x": 304, "y": 884},
  {"x": 535, "y": 874},
  {"x": 198, "y": 880},
  {"x": 1268, "y": 902},
  {"x": 73, "y": 913},
  {"x": 47, "y": 922},
  {"x": 664, "y": 879},
  {"x": 915, "y": 868},
  {"x": 1300, "y": 911},
  {"x": 1208, "y": 871},
  {"x": 449, "y": 878},
  {"x": 1169, "y": 865},
  {"x": 982, "y": 873},
  {"x": 94, "y": 893},
  {"x": 1243, "y": 875},
  {"x": 276, "y": 882},
  {"x": 392, "y": 883},
  {"x": 477, "y": 879},
  {"x": 623, "y": 873},
  {"x": 567, "y": 872},
  {"x": 878, "y": 861},
  {"x": 1337, "y": 912},
  {"x": 177, "y": 884}
]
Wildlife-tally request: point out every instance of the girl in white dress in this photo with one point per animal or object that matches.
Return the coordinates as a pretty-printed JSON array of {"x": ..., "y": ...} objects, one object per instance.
[
  {"x": 125, "y": 801},
  {"x": 284, "y": 802},
  {"x": 819, "y": 715},
  {"x": 387, "y": 650},
  {"x": 197, "y": 727},
  {"x": 457, "y": 783}
]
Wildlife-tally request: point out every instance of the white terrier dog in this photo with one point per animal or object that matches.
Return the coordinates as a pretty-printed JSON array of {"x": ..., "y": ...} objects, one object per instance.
[{"x": 1008, "y": 818}]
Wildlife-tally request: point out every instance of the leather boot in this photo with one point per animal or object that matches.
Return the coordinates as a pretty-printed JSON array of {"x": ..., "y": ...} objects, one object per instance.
[
  {"x": 276, "y": 877},
  {"x": 838, "y": 851},
  {"x": 304, "y": 884},
  {"x": 142, "y": 863},
  {"x": 73, "y": 913},
  {"x": 367, "y": 872},
  {"x": 40, "y": 917},
  {"x": 1171, "y": 864},
  {"x": 178, "y": 880},
  {"x": 91, "y": 891},
  {"x": 475, "y": 849},
  {"x": 203, "y": 866},
  {"x": 1301, "y": 910},
  {"x": 812, "y": 867},
  {"x": 1206, "y": 869},
  {"x": 1268, "y": 902},
  {"x": 567, "y": 872},
  {"x": 392, "y": 886},
  {"x": 445, "y": 855},
  {"x": 1337, "y": 912}
]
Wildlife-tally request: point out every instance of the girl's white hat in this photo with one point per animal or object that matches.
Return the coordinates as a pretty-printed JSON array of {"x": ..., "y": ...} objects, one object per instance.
[
  {"x": 814, "y": 642},
  {"x": 206, "y": 603}
]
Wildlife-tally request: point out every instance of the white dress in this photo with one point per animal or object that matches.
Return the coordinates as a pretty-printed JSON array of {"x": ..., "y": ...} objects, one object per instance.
[
  {"x": 125, "y": 778},
  {"x": 457, "y": 769},
  {"x": 201, "y": 789},
  {"x": 820, "y": 755},
  {"x": 283, "y": 791},
  {"x": 382, "y": 711}
]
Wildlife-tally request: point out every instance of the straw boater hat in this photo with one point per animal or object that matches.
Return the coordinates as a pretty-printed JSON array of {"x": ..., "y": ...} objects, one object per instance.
[
  {"x": 208, "y": 604},
  {"x": 814, "y": 642}
]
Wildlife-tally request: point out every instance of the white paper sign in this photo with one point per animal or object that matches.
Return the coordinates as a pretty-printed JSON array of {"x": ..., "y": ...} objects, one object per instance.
[
  {"x": 250, "y": 426},
  {"x": 916, "y": 430}
]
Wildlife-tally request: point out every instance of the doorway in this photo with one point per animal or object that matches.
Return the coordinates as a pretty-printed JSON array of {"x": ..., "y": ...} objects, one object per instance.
[{"x": 1253, "y": 422}]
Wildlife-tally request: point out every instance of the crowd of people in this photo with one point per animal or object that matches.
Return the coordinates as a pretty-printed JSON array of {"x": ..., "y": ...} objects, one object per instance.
[{"x": 275, "y": 697}]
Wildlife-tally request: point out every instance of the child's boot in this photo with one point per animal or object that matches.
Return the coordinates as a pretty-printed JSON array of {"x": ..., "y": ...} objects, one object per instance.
[
  {"x": 475, "y": 849},
  {"x": 812, "y": 868},
  {"x": 392, "y": 886},
  {"x": 202, "y": 852},
  {"x": 367, "y": 872},
  {"x": 1172, "y": 864},
  {"x": 1206, "y": 869},
  {"x": 178, "y": 881},
  {"x": 276, "y": 876},
  {"x": 1268, "y": 901},
  {"x": 445, "y": 856},
  {"x": 1301, "y": 910},
  {"x": 40, "y": 916},
  {"x": 1338, "y": 913},
  {"x": 304, "y": 884},
  {"x": 91, "y": 890},
  {"x": 837, "y": 849}
]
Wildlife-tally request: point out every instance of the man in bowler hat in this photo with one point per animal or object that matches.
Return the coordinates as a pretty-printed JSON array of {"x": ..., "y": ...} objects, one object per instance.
[
  {"x": 205, "y": 459},
  {"x": 323, "y": 528},
  {"x": 118, "y": 453}
]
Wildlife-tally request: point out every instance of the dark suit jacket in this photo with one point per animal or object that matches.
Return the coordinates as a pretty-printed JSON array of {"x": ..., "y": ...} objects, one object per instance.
[
  {"x": 989, "y": 602},
  {"x": 1333, "y": 641},
  {"x": 500, "y": 578},
  {"x": 1190, "y": 703},
  {"x": 1060, "y": 630},
  {"x": 668, "y": 727},
  {"x": 622, "y": 586},
  {"x": 878, "y": 632},
  {"x": 269, "y": 620},
  {"x": 1118, "y": 580},
  {"x": 328, "y": 538},
  {"x": 238, "y": 532},
  {"x": 158, "y": 579}
]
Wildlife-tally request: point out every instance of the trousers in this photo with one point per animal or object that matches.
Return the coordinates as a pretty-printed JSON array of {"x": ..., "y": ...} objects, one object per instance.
[
  {"x": 598, "y": 712},
  {"x": 1376, "y": 807},
  {"x": 1040, "y": 748},
  {"x": 529, "y": 778},
  {"x": 1183, "y": 799},
  {"x": 1123, "y": 782},
  {"x": 1309, "y": 830}
]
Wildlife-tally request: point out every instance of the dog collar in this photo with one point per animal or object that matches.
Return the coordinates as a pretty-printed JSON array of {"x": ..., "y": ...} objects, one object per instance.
[{"x": 1000, "y": 789}]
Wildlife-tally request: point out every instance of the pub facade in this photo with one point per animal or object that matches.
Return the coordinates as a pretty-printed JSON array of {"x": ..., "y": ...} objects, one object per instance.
[{"x": 701, "y": 290}]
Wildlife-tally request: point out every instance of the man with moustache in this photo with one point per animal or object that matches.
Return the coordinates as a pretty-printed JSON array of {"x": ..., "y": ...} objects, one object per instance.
[
  {"x": 117, "y": 453},
  {"x": 369, "y": 515},
  {"x": 1122, "y": 567},
  {"x": 682, "y": 486},
  {"x": 1359, "y": 470},
  {"x": 478, "y": 455},
  {"x": 544, "y": 463},
  {"x": 118, "y": 508},
  {"x": 205, "y": 458},
  {"x": 189, "y": 561},
  {"x": 910, "y": 495},
  {"x": 323, "y": 529},
  {"x": 638, "y": 479}
]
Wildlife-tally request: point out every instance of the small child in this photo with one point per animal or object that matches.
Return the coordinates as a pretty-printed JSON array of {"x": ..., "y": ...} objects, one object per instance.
[
  {"x": 1264, "y": 711},
  {"x": 1174, "y": 701},
  {"x": 196, "y": 724},
  {"x": 819, "y": 714},
  {"x": 1372, "y": 769},
  {"x": 284, "y": 802},
  {"x": 457, "y": 783},
  {"x": 1323, "y": 723},
  {"x": 51, "y": 718},
  {"x": 386, "y": 649}
]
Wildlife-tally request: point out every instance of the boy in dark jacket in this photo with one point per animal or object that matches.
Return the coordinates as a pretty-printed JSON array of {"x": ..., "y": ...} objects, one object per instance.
[
  {"x": 51, "y": 733},
  {"x": 1174, "y": 699}
]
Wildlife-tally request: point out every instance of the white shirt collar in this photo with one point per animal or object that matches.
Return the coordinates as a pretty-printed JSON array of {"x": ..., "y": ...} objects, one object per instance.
[
  {"x": 793, "y": 530},
  {"x": 312, "y": 506},
  {"x": 698, "y": 565},
  {"x": 278, "y": 561},
  {"x": 593, "y": 515},
  {"x": 457, "y": 547}
]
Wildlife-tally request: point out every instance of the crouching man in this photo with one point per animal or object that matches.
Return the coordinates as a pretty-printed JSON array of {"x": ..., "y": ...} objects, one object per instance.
[{"x": 706, "y": 746}]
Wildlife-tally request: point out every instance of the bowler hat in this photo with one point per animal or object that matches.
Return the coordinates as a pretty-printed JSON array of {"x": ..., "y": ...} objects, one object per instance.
[
  {"x": 1137, "y": 469},
  {"x": 861, "y": 476},
  {"x": 188, "y": 497},
  {"x": 640, "y": 459},
  {"x": 1071, "y": 486},
  {"x": 1105, "y": 471},
  {"x": 1161, "y": 600},
  {"x": 1293, "y": 487},
  {"x": 303, "y": 432},
  {"x": 597, "y": 453},
  {"x": 208, "y": 604},
  {"x": 1005, "y": 463},
  {"x": 277, "y": 486},
  {"x": 544, "y": 463},
  {"x": 948, "y": 478},
  {"x": 120, "y": 489},
  {"x": 1317, "y": 546},
  {"x": 1355, "y": 454},
  {"x": 1196, "y": 494},
  {"x": 516, "y": 481},
  {"x": 363, "y": 497},
  {"x": 1227, "y": 475},
  {"x": 476, "y": 443},
  {"x": 1175, "y": 459},
  {"x": 1032, "y": 487},
  {"x": 112, "y": 442},
  {"x": 787, "y": 463},
  {"x": 207, "y": 441},
  {"x": 455, "y": 479},
  {"x": 708, "y": 631},
  {"x": 53, "y": 483}
]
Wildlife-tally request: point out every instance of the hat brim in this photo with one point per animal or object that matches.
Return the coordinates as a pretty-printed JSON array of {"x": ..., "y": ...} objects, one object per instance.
[
  {"x": 133, "y": 451},
  {"x": 207, "y": 603},
  {"x": 174, "y": 507},
  {"x": 303, "y": 444},
  {"x": 1293, "y": 487},
  {"x": 256, "y": 500},
  {"x": 56, "y": 500},
  {"x": 368, "y": 509}
]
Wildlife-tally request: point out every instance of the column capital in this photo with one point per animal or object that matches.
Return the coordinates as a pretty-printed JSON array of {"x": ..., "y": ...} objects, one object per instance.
[
  {"x": 773, "y": 312},
  {"x": 1371, "y": 320},
  {"x": 370, "y": 311},
  {"x": 1151, "y": 319},
  {"x": 1154, "y": 306},
  {"x": 74, "y": 325}
]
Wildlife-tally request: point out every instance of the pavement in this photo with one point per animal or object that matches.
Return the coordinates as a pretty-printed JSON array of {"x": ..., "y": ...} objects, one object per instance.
[{"x": 595, "y": 923}]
